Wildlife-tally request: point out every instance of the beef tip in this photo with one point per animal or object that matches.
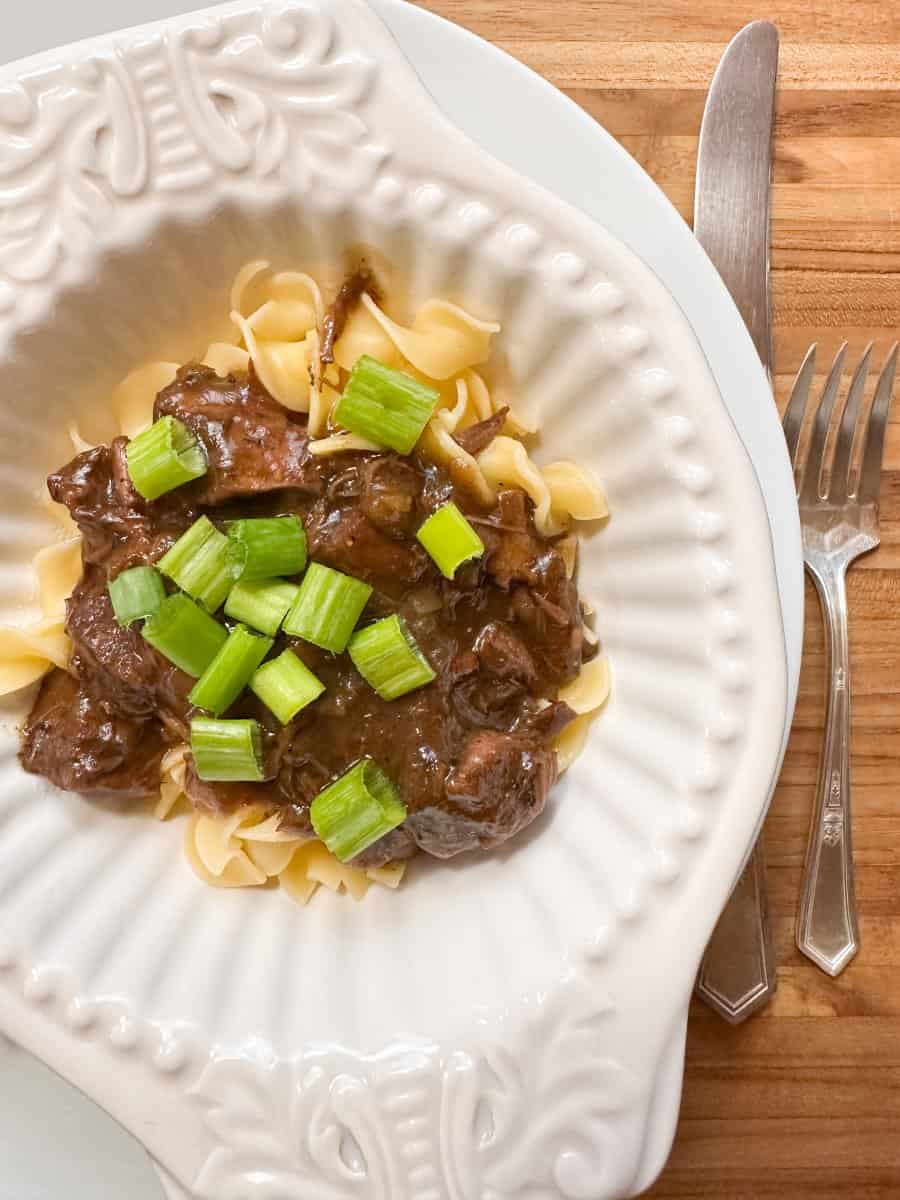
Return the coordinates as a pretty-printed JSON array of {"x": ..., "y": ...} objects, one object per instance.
[
  {"x": 113, "y": 661},
  {"x": 123, "y": 489},
  {"x": 79, "y": 744},
  {"x": 464, "y": 593},
  {"x": 103, "y": 505},
  {"x": 554, "y": 626},
  {"x": 252, "y": 442},
  {"x": 502, "y": 654},
  {"x": 390, "y": 494},
  {"x": 395, "y": 846},
  {"x": 156, "y": 526},
  {"x": 437, "y": 487},
  {"x": 547, "y": 722},
  {"x": 498, "y": 786},
  {"x": 479, "y": 436},
  {"x": 544, "y": 600},
  {"x": 409, "y": 738},
  {"x": 118, "y": 527},
  {"x": 295, "y": 819},
  {"x": 361, "y": 280},
  {"x": 346, "y": 484},
  {"x": 117, "y": 663},
  {"x": 485, "y": 703},
  {"x": 421, "y": 784},
  {"x": 301, "y": 776},
  {"x": 512, "y": 547},
  {"x": 461, "y": 666},
  {"x": 217, "y": 799},
  {"x": 346, "y": 539}
]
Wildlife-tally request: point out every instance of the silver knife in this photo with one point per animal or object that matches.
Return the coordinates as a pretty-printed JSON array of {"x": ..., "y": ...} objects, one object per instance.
[{"x": 731, "y": 222}]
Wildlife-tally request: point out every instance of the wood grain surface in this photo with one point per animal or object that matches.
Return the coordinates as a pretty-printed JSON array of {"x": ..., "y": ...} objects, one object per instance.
[{"x": 804, "y": 1100}]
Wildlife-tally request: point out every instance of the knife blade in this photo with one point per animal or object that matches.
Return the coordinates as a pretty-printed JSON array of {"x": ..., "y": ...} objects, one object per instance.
[
  {"x": 734, "y": 165},
  {"x": 731, "y": 222}
]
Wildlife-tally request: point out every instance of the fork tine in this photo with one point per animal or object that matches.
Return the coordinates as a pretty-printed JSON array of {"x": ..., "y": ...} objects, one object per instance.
[
  {"x": 793, "y": 414},
  {"x": 808, "y": 485},
  {"x": 839, "y": 487},
  {"x": 873, "y": 446}
]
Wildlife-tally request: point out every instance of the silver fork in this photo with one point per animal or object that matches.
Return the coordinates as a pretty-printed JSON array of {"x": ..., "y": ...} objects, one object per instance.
[{"x": 839, "y": 517}]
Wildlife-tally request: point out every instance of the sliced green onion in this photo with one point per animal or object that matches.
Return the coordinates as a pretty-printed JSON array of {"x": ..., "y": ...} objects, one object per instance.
[
  {"x": 230, "y": 671},
  {"x": 262, "y": 604},
  {"x": 185, "y": 634},
  {"x": 136, "y": 593},
  {"x": 285, "y": 685},
  {"x": 263, "y": 547},
  {"x": 164, "y": 457},
  {"x": 449, "y": 539},
  {"x": 198, "y": 563},
  {"x": 227, "y": 751},
  {"x": 385, "y": 405},
  {"x": 387, "y": 657},
  {"x": 327, "y": 608},
  {"x": 356, "y": 810}
]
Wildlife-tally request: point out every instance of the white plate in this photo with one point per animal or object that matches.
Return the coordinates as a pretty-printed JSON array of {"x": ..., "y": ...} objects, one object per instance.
[{"x": 657, "y": 1136}]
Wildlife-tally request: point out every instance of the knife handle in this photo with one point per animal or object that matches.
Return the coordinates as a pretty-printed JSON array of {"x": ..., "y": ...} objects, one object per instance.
[{"x": 738, "y": 973}]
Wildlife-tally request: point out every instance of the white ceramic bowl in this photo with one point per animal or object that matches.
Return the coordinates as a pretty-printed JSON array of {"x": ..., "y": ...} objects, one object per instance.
[{"x": 501, "y": 1025}]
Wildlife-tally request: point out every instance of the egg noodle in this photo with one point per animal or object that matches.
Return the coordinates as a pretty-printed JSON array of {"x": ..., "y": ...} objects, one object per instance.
[{"x": 277, "y": 318}]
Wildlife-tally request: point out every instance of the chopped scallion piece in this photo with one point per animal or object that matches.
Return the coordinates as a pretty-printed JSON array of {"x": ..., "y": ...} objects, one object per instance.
[
  {"x": 385, "y": 405},
  {"x": 449, "y": 539},
  {"x": 327, "y": 608},
  {"x": 198, "y": 563},
  {"x": 136, "y": 593},
  {"x": 230, "y": 671},
  {"x": 285, "y": 685},
  {"x": 185, "y": 634},
  {"x": 263, "y": 547},
  {"x": 262, "y": 604},
  {"x": 387, "y": 657},
  {"x": 356, "y": 810},
  {"x": 227, "y": 751},
  {"x": 164, "y": 457}
]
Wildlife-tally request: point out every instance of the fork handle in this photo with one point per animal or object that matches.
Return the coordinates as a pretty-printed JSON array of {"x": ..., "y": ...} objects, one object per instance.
[{"x": 827, "y": 930}]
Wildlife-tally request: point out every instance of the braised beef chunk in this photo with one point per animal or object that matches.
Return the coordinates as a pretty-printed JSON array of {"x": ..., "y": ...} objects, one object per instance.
[
  {"x": 346, "y": 539},
  {"x": 301, "y": 776},
  {"x": 396, "y": 846},
  {"x": 221, "y": 797},
  {"x": 497, "y": 787},
  {"x": 546, "y": 722},
  {"x": 116, "y": 663},
  {"x": 76, "y": 741},
  {"x": 482, "y": 702},
  {"x": 253, "y": 444},
  {"x": 361, "y": 280},
  {"x": 554, "y": 628},
  {"x": 512, "y": 547},
  {"x": 502, "y": 654},
  {"x": 390, "y": 494},
  {"x": 119, "y": 529},
  {"x": 105, "y": 512},
  {"x": 480, "y": 435},
  {"x": 471, "y": 753}
]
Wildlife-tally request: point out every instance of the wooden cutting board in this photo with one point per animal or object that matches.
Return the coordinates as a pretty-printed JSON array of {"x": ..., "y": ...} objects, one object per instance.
[{"x": 804, "y": 1100}]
